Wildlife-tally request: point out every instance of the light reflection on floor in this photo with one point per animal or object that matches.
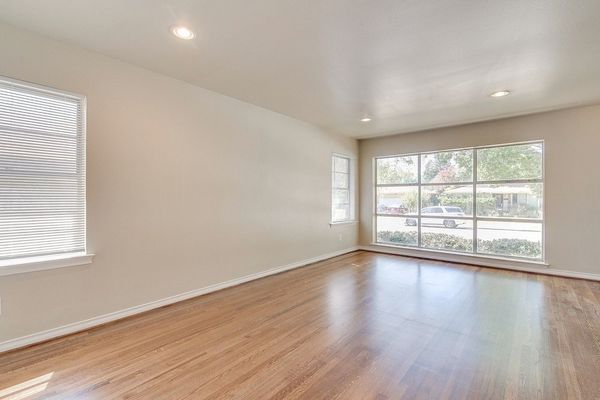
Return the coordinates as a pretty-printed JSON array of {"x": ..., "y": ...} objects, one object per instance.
[{"x": 26, "y": 389}]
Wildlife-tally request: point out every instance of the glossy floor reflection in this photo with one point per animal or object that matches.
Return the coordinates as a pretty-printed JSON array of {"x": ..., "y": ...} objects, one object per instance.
[{"x": 359, "y": 326}]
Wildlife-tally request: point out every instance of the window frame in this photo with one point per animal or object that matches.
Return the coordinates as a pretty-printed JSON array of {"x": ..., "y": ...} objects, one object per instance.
[
  {"x": 474, "y": 218},
  {"x": 351, "y": 190},
  {"x": 31, "y": 263}
]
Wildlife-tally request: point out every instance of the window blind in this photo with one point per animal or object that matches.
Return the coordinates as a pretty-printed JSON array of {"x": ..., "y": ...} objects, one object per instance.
[{"x": 42, "y": 171}]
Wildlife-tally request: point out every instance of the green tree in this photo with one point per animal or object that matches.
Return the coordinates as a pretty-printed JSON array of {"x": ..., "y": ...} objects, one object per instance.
[
  {"x": 510, "y": 162},
  {"x": 397, "y": 170},
  {"x": 493, "y": 164},
  {"x": 450, "y": 166}
]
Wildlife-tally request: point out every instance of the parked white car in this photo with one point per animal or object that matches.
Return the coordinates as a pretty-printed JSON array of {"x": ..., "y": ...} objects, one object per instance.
[{"x": 440, "y": 211}]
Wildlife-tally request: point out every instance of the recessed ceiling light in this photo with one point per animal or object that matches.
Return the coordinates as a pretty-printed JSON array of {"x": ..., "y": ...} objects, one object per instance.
[
  {"x": 182, "y": 32},
  {"x": 500, "y": 93},
  {"x": 365, "y": 119}
]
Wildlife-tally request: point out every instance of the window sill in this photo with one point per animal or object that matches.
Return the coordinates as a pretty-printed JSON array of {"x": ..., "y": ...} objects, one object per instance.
[
  {"x": 343, "y": 223},
  {"x": 476, "y": 259},
  {"x": 31, "y": 264}
]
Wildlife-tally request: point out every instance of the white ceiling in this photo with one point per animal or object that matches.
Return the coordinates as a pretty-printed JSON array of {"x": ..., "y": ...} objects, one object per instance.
[{"x": 410, "y": 64}]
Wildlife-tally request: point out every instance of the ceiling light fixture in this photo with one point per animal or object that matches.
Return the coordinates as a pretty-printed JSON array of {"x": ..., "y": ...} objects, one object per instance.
[
  {"x": 182, "y": 32},
  {"x": 500, "y": 93},
  {"x": 365, "y": 119}
]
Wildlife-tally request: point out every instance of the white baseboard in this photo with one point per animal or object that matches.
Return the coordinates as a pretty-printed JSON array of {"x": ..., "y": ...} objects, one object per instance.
[
  {"x": 503, "y": 264},
  {"x": 102, "y": 319}
]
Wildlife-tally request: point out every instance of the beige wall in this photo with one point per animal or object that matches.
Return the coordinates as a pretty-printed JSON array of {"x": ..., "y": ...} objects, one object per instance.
[
  {"x": 186, "y": 188},
  {"x": 572, "y": 175}
]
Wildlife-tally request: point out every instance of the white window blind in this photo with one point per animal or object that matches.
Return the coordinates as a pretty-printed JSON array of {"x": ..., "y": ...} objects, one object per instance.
[{"x": 42, "y": 171}]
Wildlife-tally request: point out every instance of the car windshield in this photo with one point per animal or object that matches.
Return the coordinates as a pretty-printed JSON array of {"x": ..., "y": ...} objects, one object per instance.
[{"x": 454, "y": 209}]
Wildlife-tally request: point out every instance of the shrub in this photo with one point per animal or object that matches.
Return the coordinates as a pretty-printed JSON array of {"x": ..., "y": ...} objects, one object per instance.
[
  {"x": 486, "y": 205},
  {"x": 520, "y": 247},
  {"x": 446, "y": 241},
  {"x": 456, "y": 200},
  {"x": 432, "y": 240},
  {"x": 397, "y": 237},
  {"x": 524, "y": 211},
  {"x": 515, "y": 247}
]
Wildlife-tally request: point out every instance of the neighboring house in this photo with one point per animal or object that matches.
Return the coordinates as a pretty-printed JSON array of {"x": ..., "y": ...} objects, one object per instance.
[{"x": 507, "y": 197}]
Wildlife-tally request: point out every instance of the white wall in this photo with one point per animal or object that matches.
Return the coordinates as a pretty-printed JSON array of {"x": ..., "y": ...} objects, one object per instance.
[
  {"x": 572, "y": 175},
  {"x": 186, "y": 188}
]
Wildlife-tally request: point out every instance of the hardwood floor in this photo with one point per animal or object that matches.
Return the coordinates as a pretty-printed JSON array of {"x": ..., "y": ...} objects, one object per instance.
[{"x": 359, "y": 326}]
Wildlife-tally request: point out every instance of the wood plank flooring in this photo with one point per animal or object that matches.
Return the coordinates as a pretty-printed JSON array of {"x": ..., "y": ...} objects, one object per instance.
[{"x": 358, "y": 326}]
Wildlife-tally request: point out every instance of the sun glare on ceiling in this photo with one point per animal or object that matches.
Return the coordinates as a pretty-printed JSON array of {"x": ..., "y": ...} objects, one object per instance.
[
  {"x": 182, "y": 32},
  {"x": 500, "y": 93},
  {"x": 365, "y": 119}
]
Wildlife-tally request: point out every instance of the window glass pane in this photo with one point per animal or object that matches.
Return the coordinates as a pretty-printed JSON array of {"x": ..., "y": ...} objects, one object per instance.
[
  {"x": 399, "y": 170},
  {"x": 519, "y": 239},
  {"x": 341, "y": 164},
  {"x": 450, "y": 200},
  {"x": 397, "y": 230},
  {"x": 341, "y": 201},
  {"x": 397, "y": 200},
  {"x": 447, "y": 167},
  {"x": 340, "y": 212},
  {"x": 340, "y": 180},
  {"x": 510, "y": 162},
  {"x": 447, "y": 234},
  {"x": 341, "y": 196},
  {"x": 510, "y": 200}
]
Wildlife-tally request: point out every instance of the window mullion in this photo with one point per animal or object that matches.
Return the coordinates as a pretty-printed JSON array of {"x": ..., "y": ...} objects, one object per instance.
[
  {"x": 474, "y": 201},
  {"x": 419, "y": 241}
]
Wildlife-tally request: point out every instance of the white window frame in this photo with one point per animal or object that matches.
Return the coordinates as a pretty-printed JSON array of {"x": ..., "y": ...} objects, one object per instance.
[
  {"x": 474, "y": 218},
  {"x": 54, "y": 260},
  {"x": 351, "y": 189}
]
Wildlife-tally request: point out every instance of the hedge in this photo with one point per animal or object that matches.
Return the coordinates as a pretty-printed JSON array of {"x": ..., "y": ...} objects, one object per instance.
[
  {"x": 520, "y": 247},
  {"x": 515, "y": 247}
]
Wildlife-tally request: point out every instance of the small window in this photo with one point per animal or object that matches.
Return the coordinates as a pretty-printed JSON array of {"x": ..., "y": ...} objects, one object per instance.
[
  {"x": 42, "y": 172},
  {"x": 342, "y": 202}
]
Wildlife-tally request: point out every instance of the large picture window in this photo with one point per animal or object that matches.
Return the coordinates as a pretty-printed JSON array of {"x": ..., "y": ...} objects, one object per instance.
[{"x": 485, "y": 200}]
